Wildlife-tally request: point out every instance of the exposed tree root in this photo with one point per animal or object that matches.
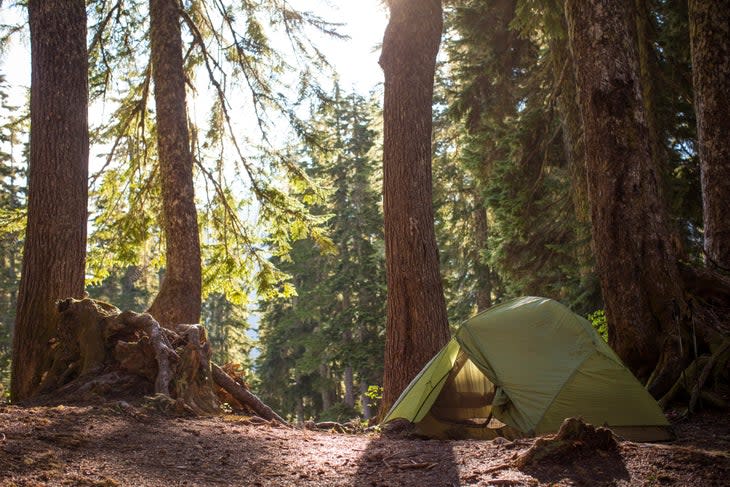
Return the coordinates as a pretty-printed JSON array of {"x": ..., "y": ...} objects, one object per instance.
[
  {"x": 695, "y": 355},
  {"x": 102, "y": 353},
  {"x": 700, "y": 379}
]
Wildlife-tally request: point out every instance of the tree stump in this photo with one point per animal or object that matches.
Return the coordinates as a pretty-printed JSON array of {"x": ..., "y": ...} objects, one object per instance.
[
  {"x": 103, "y": 353},
  {"x": 575, "y": 438}
]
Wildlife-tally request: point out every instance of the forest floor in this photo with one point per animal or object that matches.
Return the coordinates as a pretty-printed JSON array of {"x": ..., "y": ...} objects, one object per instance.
[{"x": 119, "y": 445}]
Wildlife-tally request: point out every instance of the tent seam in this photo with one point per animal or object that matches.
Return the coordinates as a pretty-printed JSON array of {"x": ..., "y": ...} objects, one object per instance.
[{"x": 562, "y": 386}]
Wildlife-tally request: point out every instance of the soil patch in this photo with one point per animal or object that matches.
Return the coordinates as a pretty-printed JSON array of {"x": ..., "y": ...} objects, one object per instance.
[{"x": 120, "y": 444}]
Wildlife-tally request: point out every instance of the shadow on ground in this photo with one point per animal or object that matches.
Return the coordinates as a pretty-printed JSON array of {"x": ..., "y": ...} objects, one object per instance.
[
  {"x": 395, "y": 462},
  {"x": 602, "y": 468}
]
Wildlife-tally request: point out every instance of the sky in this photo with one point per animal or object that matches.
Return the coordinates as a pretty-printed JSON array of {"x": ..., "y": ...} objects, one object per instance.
[{"x": 356, "y": 59}]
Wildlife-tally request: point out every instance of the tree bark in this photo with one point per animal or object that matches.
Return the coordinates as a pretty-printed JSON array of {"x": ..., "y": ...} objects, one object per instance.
[
  {"x": 417, "y": 324},
  {"x": 179, "y": 298},
  {"x": 710, "y": 44},
  {"x": 640, "y": 278},
  {"x": 572, "y": 134},
  {"x": 54, "y": 253},
  {"x": 365, "y": 400},
  {"x": 349, "y": 387},
  {"x": 325, "y": 389},
  {"x": 481, "y": 267}
]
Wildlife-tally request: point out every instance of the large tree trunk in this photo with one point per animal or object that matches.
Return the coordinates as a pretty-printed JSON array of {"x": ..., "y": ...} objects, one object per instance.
[
  {"x": 54, "y": 252},
  {"x": 572, "y": 134},
  {"x": 710, "y": 41},
  {"x": 640, "y": 279},
  {"x": 179, "y": 299},
  {"x": 417, "y": 324}
]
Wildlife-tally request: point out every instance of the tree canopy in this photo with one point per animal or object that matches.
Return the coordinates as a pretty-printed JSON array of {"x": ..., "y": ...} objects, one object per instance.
[{"x": 340, "y": 233}]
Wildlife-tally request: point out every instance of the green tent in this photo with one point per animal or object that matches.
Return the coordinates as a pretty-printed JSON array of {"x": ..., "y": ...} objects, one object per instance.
[{"x": 521, "y": 368}]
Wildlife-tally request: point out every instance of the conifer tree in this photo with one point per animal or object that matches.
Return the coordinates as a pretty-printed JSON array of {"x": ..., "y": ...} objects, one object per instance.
[
  {"x": 13, "y": 165},
  {"x": 55, "y": 239},
  {"x": 417, "y": 325},
  {"x": 637, "y": 264},
  {"x": 330, "y": 334},
  {"x": 179, "y": 298}
]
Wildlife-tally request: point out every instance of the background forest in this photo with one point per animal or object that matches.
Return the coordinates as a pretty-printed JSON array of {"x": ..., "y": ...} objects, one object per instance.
[{"x": 291, "y": 223}]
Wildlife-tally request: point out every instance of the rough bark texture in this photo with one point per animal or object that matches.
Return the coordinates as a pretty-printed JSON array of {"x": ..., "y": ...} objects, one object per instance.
[
  {"x": 417, "y": 325},
  {"x": 710, "y": 41},
  {"x": 55, "y": 241},
  {"x": 101, "y": 353},
  {"x": 572, "y": 135},
  {"x": 179, "y": 299},
  {"x": 244, "y": 396},
  {"x": 481, "y": 268},
  {"x": 640, "y": 280}
]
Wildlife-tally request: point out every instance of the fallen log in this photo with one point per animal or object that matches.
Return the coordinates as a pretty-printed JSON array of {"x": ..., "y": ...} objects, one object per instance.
[{"x": 244, "y": 396}]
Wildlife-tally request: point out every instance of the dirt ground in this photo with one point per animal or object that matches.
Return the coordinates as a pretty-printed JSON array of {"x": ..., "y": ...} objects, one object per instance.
[{"x": 119, "y": 444}]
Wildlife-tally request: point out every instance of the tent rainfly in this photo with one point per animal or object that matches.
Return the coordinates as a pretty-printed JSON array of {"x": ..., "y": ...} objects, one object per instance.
[{"x": 519, "y": 369}]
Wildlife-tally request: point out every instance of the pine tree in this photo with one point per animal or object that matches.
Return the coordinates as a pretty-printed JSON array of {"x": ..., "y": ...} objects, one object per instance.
[
  {"x": 13, "y": 165},
  {"x": 326, "y": 343},
  {"x": 179, "y": 298},
  {"x": 637, "y": 263},
  {"x": 515, "y": 142},
  {"x": 417, "y": 325},
  {"x": 55, "y": 239}
]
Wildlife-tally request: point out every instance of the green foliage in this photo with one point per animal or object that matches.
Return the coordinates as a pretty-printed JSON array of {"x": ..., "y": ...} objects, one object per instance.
[
  {"x": 501, "y": 152},
  {"x": 375, "y": 394},
  {"x": 14, "y": 122},
  {"x": 672, "y": 103},
  {"x": 245, "y": 186},
  {"x": 132, "y": 288},
  {"x": 599, "y": 322},
  {"x": 339, "y": 413},
  {"x": 336, "y": 319},
  {"x": 298, "y": 225},
  {"x": 227, "y": 325}
]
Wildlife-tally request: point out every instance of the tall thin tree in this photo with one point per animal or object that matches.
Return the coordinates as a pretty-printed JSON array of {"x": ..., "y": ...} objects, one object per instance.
[
  {"x": 710, "y": 44},
  {"x": 179, "y": 298},
  {"x": 55, "y": 243},
  {"x": 417, "y": 324}
]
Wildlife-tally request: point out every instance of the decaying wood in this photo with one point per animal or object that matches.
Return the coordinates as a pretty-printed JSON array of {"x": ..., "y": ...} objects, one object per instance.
[
  {"x": 695, "y": 380},
  {"x": 244, "y": 395},
  {"x": 715, "y": 358},
  {"x": 103, "y": 353},
  {"x": 163, "y": 352}
]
